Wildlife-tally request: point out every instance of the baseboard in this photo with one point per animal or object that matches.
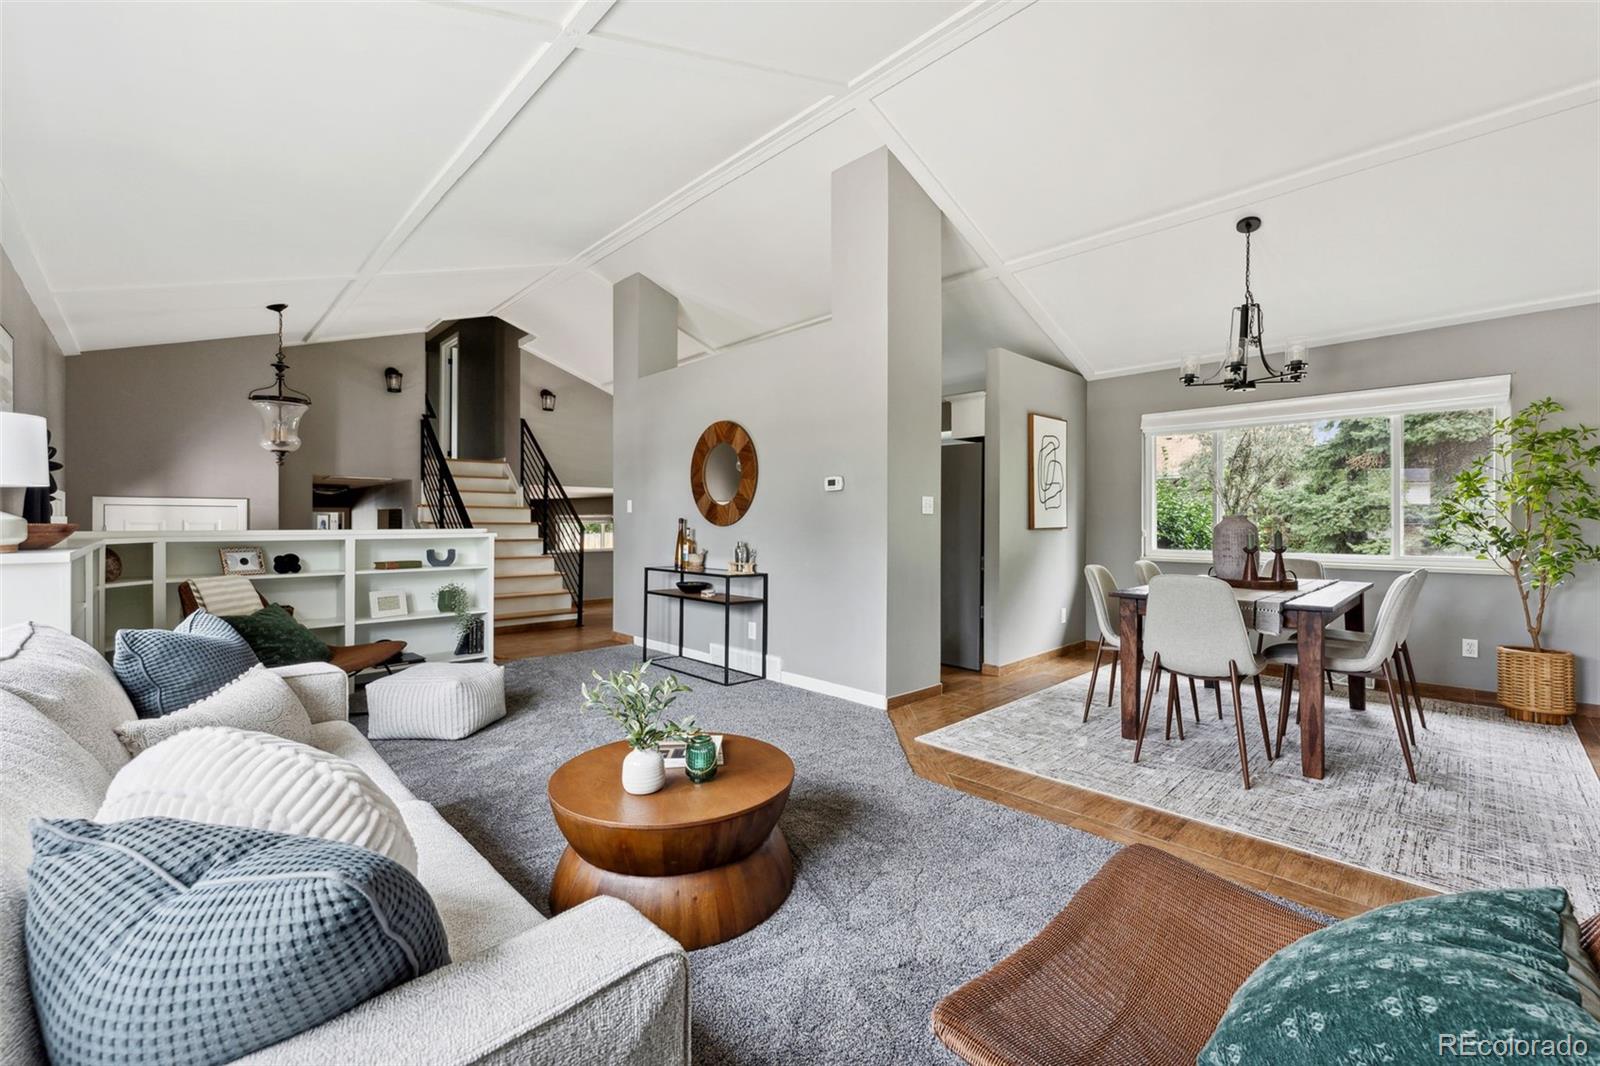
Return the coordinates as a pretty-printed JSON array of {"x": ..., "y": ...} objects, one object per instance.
[
  {"x": 829, "y": 688},
  {"x": 1483, "y": 697},
  {"x": 991, "y": 670},
  {"x": 912, "y": 697},
  {"x": 744, "y": 660}
]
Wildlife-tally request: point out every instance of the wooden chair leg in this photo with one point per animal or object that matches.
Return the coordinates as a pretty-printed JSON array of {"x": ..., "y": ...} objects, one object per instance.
[
  {"x": 1216, "y": 690},
  {"x": 1238, "y": 724},
  {"x": 1261, "y": 712},
  {"x": 1399, "y": 726},
  {"x": 1174, "y": 702},
  {"x": 1194, "y": 701},
  {"x": 1283, "y": 705},
  {"x": 1111, "y": 685},
  {"x": 1094, "y": 676},
  {"x": 1416, "y": 689},
  {"x": 1149, "y": 696},
  {"x": 1405, "y": 696}
]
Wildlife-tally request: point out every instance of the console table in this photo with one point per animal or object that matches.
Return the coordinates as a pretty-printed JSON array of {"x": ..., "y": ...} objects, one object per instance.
[{"x": 752, "y": 595}]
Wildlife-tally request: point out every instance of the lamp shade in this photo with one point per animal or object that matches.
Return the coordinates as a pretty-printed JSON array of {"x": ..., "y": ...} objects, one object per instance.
[{"x": 24, "y": 451}]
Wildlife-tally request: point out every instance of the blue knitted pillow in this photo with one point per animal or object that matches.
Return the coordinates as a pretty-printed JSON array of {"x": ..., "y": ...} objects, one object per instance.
[
  {"x": 157, "y": 940},
  {"x": 165, "y": 670}
]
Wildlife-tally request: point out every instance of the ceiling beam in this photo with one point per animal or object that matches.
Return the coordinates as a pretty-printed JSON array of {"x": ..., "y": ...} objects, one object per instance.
[
  {"x": 545, "y": 61},
  {"x": 631, "y": 48}
]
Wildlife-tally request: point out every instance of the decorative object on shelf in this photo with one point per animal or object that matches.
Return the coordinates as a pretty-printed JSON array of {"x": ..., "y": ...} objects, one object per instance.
[
  {"x": 386, "y": 603},
  {"x": 113, "y": 566},
  {"x": 1047, "y": 472},
  {"x": 1244, "y": 333},
  {"x": 452, "y": 599},
  {"x": 744, "y": 559},
  {"x": 547, "y": 400},
  {"x": 693, "y": 587},
  {"x": 638, "y": 707},
  {"x": 280, "y": 406},
  {"x": 673, "y": 748},
  {"x": 287, "y": 563},
  {"x": 42, "y": 535},
  {"x": 723, "y": 472},
  {"x": 446, "y": 559},
  {"x": 701, "y": 756},
  {"x": 24, "y": 463},
  {"x": 695, "y": 563},
  {"x": 244, "y": 561},
  {"x": 392, "y": 379},
  {"x": 469, "y": 636},
  {"x": 329, "y": 520},
  {"x": 1524, "y": 506},
  {"x": 399, "y": 564},
  {"x": 37, "y": 505}
]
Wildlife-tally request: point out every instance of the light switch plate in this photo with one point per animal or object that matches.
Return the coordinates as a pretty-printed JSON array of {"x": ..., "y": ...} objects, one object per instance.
[
  {"x": 927, "y": 505},
  {"x": 753, "y": 633}
]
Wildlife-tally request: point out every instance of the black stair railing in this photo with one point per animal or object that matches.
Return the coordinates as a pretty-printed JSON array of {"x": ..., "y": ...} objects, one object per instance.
[
  {"x": 551, "y": 508},
  {"x": 439, "y": 490}
]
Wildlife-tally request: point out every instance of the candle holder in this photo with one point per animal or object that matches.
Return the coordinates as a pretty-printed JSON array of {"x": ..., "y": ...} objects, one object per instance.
[
  {"x": 1250, "y": 571},
  {"x": 1279, "y": 575}
]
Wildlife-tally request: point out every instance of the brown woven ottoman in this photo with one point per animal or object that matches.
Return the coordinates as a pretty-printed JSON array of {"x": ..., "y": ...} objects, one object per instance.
[{"x": 1137, "y": 970}]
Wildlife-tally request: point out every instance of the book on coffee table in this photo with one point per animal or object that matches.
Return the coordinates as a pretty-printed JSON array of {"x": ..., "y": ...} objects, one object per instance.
[{"x": 672, "y": 751}]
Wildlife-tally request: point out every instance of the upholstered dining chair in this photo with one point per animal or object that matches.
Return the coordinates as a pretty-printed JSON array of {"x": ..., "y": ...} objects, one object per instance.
[
  {"x": 1193, "y": 629},
  {"x": 1404, "y": 671},
  {"x": 1303, "y": 569},
  {"x": 1146, "y": 570},
  {"x": 1371, "y": 659},
  {"x": 1101, "y": 587}
]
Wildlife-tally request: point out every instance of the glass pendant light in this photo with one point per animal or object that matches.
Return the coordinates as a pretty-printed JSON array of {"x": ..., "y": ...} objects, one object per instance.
[
  {"x": 280, "y": 406},
  {"x": 1245, "y": 325}
]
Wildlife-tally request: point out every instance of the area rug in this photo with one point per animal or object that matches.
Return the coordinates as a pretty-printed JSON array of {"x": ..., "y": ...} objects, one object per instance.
[
  {"x": 904, "y": 888},
  {"x": 1497, "y": 802}
]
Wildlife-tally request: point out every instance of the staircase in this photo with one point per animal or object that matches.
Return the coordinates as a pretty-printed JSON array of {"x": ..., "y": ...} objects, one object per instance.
[{"x": 527, "y": 586}]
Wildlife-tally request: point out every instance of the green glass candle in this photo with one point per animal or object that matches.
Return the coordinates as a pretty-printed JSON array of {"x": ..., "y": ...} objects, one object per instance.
[{"x": 700, "y": 758}]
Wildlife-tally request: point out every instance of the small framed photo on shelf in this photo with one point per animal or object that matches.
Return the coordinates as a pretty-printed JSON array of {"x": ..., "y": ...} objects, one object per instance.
[
  {"x": 243, "y": 561},
  {"x": 387, "y": 604}
]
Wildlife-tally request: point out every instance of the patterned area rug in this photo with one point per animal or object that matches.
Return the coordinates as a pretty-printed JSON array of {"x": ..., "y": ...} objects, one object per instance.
[{"x": 1497, "y": 803}]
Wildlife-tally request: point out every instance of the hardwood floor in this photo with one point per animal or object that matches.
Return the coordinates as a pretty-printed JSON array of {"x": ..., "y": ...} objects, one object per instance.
[{"x": 1329, "y": 886}]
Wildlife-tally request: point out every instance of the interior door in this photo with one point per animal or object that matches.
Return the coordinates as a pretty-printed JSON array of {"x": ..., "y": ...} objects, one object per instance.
[{"x": 961, "y": 555}]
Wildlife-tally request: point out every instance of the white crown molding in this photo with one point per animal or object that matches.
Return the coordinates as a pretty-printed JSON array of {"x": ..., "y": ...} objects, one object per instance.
[
  {"x": 14, "y": 239},
  {"x": 1584, "y": 95}
]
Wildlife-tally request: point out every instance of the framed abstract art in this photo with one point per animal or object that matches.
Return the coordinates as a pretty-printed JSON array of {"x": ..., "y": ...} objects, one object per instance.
[{"x": 1047, "y": 472}]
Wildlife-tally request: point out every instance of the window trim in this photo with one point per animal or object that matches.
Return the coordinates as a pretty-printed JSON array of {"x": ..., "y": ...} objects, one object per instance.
[{"x": 1394, "y": 403}]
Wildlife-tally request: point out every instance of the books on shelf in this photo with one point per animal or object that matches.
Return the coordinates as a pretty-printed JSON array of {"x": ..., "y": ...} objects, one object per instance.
[
  {"x": 398, "y": 564},
  {"x": 672, "y": 751}
]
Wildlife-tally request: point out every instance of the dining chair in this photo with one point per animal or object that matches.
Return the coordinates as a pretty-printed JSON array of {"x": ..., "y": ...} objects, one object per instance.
[
  {"x": 1146, "y": 570},
  {"x": 1193, "y": 628},
  {"x": 1102, "y": 586},
  {"x": 1372, "y": 659},
  {"x": 1404, "y": 670},
  {"x": 1303, "y": 569}
]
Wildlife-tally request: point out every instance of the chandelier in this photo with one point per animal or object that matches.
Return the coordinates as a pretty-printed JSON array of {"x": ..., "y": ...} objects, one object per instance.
[
  {"x": 1244, "y": 333},
  {"x": 280, "y": 406}
]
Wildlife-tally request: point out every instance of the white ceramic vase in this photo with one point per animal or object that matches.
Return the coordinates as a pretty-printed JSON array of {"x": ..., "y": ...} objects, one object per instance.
[{"x": 643, "y": 772}]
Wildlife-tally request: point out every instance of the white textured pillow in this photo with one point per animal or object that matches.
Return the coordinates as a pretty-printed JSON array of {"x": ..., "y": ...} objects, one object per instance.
[
  {"x": 258, "y": 700},
  {"x": 226, "y": 776}
]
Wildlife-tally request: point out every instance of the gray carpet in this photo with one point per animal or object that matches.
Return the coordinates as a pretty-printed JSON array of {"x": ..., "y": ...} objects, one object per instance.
[{"x": 904, "y": 888}]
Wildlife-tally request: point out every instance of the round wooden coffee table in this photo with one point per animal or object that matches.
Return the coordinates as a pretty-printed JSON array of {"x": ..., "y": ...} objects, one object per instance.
[{"x": 704, "y": 862}]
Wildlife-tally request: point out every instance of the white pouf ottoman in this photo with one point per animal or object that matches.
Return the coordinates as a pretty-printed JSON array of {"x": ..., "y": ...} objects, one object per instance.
[{"x": 436, "y": 701}]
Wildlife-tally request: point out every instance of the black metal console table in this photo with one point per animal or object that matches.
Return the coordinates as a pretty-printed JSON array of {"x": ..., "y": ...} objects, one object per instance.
[{"x": 727, "y": 599}]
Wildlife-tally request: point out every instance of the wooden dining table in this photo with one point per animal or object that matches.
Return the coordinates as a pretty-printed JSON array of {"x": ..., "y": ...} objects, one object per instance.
[{"x": 1308, "y": 615}]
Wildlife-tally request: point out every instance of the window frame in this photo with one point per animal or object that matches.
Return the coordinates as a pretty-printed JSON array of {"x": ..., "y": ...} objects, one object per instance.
[{"x": 1395, "y": 403}]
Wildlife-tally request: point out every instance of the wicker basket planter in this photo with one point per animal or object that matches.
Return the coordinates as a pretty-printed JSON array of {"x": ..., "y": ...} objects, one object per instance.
[{"x": 1536, "y": 686}]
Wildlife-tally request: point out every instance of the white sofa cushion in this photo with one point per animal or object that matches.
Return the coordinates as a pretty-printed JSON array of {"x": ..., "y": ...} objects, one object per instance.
[
  {"x": 478, "y": 907},
  {"x": 69, "y": 683},
  {"x": 233, "y": 777},
  {"x": 345, "y": 740},
  {"x": 257, "y": 700}
]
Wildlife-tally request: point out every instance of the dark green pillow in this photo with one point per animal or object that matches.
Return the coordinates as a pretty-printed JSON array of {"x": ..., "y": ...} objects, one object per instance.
[
  {"x": 277, "y": 639},
  {"x": 1421, "y": 981}
]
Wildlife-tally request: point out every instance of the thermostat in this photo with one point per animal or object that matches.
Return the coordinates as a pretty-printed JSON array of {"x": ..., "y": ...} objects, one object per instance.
[{"x": 833, "y": 483}]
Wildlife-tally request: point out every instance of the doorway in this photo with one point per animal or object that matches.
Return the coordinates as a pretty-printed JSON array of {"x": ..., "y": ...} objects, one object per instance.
[{"x": 961, "y": 555}]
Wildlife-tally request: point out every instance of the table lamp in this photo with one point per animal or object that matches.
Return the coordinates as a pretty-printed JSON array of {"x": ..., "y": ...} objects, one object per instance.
[{"x": 24, "y": 463}]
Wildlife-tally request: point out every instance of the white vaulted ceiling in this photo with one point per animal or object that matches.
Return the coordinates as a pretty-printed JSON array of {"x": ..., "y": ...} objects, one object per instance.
[{"x": 167, "y": 169}]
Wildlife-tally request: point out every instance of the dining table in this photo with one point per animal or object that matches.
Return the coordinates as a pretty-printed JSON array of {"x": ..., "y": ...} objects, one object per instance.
[{"x": 1308, "y": 614}]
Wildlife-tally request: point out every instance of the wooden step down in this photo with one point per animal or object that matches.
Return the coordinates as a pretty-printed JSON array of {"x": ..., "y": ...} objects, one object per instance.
[
  {"x": 465, "y": 485},
  {"x": 460, "y": 468},
  {"x": 512, "y": 548},
  {"x": 524, "y": 618},
  {"x": 512, "y": 603},
  {"x": 476, "y": 498},
  {"x": 528, "y": 584},
  {"x": 508, "y": 566}
]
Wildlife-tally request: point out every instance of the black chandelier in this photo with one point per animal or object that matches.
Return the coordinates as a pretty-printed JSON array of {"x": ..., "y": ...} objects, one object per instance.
[
  {"x": 280, "y": 406},
  {"x": 1244, "y": 333}
]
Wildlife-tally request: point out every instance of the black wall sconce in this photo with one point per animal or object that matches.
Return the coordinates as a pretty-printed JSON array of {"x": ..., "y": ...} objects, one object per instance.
[
  {"x": 547, "y": 400},
  {"x": 392, "y": 379}
]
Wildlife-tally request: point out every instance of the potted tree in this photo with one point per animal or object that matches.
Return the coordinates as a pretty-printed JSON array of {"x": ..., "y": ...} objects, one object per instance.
[{"x": 1526, "y": 506}]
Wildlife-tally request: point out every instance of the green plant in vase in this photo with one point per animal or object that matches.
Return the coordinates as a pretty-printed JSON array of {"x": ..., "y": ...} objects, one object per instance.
[
  {"x": 453, "y": 599},
  {"x": 638, "y": 708}
]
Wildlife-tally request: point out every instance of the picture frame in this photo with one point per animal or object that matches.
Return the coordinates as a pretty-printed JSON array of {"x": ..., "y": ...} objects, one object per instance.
[
  {"x": 388, "y": 603},
  {"x": 243, "y": 560},
  {"x": 1047, "y": 471}
]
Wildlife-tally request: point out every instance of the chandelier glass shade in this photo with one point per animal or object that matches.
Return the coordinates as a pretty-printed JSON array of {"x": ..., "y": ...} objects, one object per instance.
[
  {"x": 280, "y": 406},
  {"x": 1245, "y": 326}
]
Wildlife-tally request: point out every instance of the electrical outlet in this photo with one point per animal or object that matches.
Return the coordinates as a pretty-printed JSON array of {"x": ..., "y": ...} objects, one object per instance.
[
  {"x": 753, "y": 631},
  {"x": 927, "y": 505},
  {"x": 1469, "y": 649},
  {"x": 1063, "y": 616}
]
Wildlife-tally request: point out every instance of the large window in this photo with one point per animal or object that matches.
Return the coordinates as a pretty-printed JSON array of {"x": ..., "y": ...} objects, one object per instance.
[{"x": 1351, "y": 475}]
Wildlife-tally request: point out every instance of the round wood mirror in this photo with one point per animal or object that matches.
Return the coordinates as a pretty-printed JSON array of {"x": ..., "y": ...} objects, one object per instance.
[{"x": 722, "y": 473}]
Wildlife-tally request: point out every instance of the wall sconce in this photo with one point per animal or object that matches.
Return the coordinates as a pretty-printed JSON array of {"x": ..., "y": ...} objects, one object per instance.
[
  {"x": 547, "y": 400},
  {"x": 392, "y": 379}
]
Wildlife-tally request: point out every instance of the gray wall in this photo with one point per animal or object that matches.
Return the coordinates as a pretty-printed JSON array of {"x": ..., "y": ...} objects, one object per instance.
[
  {"x": 577, "y": 434},
  {"x": 38, "y": 375},
  {"x": 1552, "y": 353},
  {"x": 172, "y": 420},
  {"x": 1030, "y": 574}
]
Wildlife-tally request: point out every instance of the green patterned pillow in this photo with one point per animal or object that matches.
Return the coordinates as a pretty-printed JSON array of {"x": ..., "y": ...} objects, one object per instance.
[
  {"x": 1495, "y": 975},
  {"x": 277, "y": 639}
]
